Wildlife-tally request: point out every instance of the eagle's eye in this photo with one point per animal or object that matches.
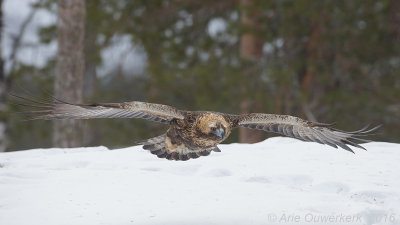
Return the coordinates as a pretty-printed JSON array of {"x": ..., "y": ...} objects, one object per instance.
[{"x": 218, "y": 131}]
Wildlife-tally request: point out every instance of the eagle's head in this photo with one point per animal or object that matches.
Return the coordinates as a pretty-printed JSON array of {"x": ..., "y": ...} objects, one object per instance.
[{"x": 214, "y": 125}]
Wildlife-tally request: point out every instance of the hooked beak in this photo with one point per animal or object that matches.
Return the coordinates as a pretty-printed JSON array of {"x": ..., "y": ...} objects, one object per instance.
[{"x": 220, "y": 132}]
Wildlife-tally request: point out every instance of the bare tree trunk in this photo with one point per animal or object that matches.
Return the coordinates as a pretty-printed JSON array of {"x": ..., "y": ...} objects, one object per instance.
[
  {"x": 90, "y": 133},
  {"x": 394, "y": 18},
  {"x": 69, "y": 68},
  {"x": 307, "y": 79},
  {"x": 394, "y": 23},
  {"x": 3, "y": 106},
  {"x": 250, "y": 49}
]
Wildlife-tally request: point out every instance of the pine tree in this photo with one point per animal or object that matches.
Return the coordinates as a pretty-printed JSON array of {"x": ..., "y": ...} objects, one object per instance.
[{"x": 69, "y": 68}]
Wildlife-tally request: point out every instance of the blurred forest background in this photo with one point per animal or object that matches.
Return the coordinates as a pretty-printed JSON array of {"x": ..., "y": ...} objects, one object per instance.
[{"x": 325, "y": 60}]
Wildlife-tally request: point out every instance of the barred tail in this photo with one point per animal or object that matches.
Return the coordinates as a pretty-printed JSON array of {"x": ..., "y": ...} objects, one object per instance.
[
  {"x": 155, "y": 145},
  {"x": 158, "y": 146}
]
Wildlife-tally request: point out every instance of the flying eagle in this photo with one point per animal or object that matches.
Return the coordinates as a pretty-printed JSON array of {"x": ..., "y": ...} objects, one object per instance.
[{"x": 192, "y": 134}]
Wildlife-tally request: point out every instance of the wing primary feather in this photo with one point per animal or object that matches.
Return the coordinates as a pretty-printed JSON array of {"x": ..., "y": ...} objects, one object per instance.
[
  {"x": 345, "y": 147},
  {"x": 333, "y": 140},
  {"x": 337, "y": 141},
  {"x": 30, "y": 100},
  {"x": 322, "y": 138},
  {"x": 354, "y": 144},
  {"x": 360, "y": 139},
  {"x": 32, "y": 106},
  {"x": 356, "y": 131},
  {"x": 34, "y": 112},
  {"x": 362, "y": 132},
  {"x": 316, "y": 137},
  {"x": 370, "y": 130}
]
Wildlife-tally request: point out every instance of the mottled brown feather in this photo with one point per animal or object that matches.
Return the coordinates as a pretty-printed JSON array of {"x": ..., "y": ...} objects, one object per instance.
[{"x": 304, "y": 130}]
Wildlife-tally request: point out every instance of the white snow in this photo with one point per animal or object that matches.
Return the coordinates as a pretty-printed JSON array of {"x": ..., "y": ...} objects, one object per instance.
[{"x": 278, "y": 181}]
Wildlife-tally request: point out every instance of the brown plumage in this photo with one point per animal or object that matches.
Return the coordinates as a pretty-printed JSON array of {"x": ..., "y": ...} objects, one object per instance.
[{"x": 195, "y": 133}]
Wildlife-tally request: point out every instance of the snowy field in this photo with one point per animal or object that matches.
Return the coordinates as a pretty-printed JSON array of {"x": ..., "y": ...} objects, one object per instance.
[{"x": 278, "y": 181}]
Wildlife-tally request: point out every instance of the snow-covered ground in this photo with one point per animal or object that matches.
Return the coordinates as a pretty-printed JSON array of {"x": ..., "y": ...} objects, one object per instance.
[{"x": 278, "y": 181}]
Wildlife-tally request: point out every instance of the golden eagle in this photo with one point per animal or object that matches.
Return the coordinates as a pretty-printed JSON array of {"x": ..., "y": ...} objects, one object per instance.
[{"x": 192, "y": 134}]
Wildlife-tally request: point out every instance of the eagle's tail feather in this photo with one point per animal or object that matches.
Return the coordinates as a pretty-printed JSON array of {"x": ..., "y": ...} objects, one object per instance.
[{"x": 155, "y": 145}]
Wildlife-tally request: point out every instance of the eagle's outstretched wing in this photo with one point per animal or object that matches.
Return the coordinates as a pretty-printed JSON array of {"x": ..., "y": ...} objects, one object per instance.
[
  {"x": 308, "y": 131},
  {"x": 58, "y": 109}
]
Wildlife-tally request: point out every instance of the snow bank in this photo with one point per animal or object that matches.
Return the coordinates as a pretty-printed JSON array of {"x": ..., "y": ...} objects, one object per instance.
[{"x": 278, "y": 181}]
